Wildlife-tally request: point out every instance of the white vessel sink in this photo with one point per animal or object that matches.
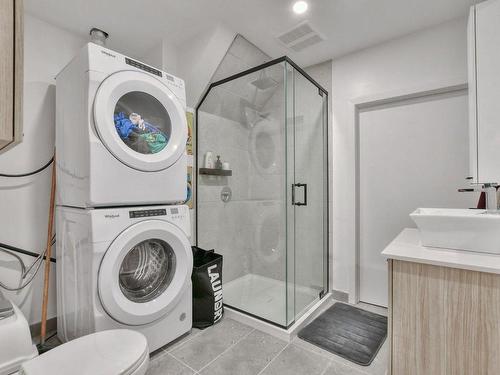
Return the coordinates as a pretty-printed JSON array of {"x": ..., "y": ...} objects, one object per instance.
[{"x": 460, "y": 229}]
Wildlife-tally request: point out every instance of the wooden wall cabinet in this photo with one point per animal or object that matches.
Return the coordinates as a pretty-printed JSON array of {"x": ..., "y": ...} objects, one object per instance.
[
  {"x": 11, "y": 73},
  {"x": 443, "y": 321}
]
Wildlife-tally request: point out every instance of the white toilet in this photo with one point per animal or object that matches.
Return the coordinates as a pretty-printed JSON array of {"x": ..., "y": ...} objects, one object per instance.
[{"x": 112, "y": 352}]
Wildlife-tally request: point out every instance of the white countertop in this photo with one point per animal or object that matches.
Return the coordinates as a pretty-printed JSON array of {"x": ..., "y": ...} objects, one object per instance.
[{"x": 407, "y": 246}]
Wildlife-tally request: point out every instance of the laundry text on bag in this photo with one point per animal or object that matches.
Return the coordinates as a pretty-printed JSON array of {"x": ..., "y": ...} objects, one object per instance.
[{"x": 217, "y": 288}]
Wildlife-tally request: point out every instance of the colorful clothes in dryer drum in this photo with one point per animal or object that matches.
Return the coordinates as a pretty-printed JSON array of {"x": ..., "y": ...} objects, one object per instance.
[
  {"x": 155, "y": 141},
  {"x": 138, "y": 134}
]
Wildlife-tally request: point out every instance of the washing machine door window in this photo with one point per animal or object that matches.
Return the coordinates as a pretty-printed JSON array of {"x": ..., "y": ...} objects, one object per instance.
[
  {"x": 147, "y": 270},
  {"x": 144, "y": 272},
  {"x": 140, "y": 121}
]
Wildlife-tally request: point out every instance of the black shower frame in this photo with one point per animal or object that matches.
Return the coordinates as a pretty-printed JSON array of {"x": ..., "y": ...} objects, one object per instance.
[{"x": 322, "y": 92}]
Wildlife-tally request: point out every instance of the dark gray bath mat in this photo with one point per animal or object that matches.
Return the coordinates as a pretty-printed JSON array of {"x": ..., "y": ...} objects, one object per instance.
[{"x": 349, "y": 332}]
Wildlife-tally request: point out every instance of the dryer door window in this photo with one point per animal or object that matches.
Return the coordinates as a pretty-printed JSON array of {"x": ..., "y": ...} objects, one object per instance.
[
  {"x": 144, "y": 272},
  {"x": 140, "y": 121}
]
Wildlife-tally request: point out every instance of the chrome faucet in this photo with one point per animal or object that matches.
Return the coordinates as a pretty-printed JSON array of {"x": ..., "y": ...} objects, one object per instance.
[{"x": 490, "y": 190}]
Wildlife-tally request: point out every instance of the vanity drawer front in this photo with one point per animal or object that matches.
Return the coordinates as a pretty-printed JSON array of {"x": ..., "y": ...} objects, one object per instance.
[{"x": 444, "y": 320}]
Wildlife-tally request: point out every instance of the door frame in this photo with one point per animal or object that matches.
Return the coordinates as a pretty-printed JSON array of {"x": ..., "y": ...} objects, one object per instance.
[{"x": 359, "y": 104}]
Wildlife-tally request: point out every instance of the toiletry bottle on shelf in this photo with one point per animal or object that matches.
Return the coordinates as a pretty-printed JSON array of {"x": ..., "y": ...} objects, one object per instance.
[
  {"x": 209, "y": 159},
  {"x": 218, "y": 163}
]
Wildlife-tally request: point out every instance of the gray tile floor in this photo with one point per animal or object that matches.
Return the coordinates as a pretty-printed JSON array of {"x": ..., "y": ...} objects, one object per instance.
[{"x": 234, "y": 348}]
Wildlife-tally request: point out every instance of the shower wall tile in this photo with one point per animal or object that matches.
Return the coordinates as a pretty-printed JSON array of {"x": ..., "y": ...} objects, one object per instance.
[
  {"x": 208, "y": 130},
  {"x": 267, "y": 187},
  {"x": 239, "y": 183},
  {"x": 228, "y": 139},
  {"x": 209, "y": 188},
  {"x": 240, "y": 137},
  {"x": 265, "y": 232},
  {"x": 223, "y": 226},
  {"x": 240, "y": 56},
  {"x": 217, "y": 131},
  {"x": 248, "y": 52},
  {"x": 246, "y": 126},
  {"x": 209, "y": 216},
  {"x": 230, "y": 65}
]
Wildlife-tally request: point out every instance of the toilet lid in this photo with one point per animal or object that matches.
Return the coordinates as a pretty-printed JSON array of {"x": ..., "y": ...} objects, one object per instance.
[{"x": 113, "y": 352}]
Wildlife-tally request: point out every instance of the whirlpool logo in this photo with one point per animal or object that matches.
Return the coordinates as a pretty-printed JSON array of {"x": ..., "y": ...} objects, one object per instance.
[
  {"x": 108, "y": 54},
  {"x": 111, "y": 216},
  {"x": 217, "y": 288}
]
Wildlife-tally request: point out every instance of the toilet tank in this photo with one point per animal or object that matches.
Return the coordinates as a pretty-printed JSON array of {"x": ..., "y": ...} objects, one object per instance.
[{"x": 16, "y": 346}]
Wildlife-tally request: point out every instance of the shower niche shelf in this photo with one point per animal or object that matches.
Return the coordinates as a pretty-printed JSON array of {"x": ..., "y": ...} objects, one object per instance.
[{"x": 216, "y": 172}]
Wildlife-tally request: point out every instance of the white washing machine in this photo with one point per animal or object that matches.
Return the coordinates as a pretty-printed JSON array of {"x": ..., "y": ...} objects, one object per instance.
[
  {"x": 124, "y": 268},
  {"x": 121, "y": 132}
]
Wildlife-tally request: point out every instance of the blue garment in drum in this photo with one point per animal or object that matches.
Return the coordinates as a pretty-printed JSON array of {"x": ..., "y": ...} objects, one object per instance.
[
  {"x": 123, "y": 125},
  {"x": 147, "y": 140}
]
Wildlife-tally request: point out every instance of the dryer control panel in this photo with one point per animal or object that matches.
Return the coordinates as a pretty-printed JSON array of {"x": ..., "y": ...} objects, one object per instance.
[{"x": 144, "y": 67}]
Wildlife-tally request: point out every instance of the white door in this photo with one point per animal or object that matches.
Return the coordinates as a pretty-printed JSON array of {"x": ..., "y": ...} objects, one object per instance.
[
  {"x": 412, "y": 153},
  {"x": 144, "y": 272},
  {"x": 140, "y": 121}
]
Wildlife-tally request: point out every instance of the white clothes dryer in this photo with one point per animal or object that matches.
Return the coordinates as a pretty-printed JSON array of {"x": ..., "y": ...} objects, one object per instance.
[
  {"x": 124, "y": 268},
  {"x": 121, "y": 132}
]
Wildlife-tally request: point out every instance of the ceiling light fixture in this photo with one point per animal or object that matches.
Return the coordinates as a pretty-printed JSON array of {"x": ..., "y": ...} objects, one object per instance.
[{"x": 300, "y": 7}]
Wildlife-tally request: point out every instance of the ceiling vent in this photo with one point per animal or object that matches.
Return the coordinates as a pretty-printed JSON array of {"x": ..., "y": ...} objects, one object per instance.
[{"x": 300, "y": 37}]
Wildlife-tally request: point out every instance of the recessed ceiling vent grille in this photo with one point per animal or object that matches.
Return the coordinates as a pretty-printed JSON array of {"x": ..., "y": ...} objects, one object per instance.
[{"x": 300, "y": 37}]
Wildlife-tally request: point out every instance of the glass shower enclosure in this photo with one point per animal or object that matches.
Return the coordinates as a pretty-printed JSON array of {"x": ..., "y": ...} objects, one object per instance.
[{"x": 266, "y": 212}]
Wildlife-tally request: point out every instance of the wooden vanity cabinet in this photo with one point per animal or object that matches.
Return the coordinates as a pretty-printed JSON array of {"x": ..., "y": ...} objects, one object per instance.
[{"x": 443, "y": 320}]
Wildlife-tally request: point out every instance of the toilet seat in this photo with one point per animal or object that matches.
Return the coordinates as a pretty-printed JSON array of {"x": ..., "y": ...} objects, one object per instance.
[{"x": 112, "y": 352}]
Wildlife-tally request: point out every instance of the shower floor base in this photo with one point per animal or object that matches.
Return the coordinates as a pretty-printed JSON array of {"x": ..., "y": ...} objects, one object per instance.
[{"x": 265, "y": 298}]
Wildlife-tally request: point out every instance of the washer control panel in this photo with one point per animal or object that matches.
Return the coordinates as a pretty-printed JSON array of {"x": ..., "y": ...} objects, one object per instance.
[
  {"x": 147, "y": 213},
  {"x": 177, "y": 213}
]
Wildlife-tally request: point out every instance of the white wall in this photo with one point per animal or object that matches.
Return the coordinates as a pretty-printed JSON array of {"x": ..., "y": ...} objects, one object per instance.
[
  {"x": 433, "y": 55},
  {"x": 163, "y": 56},
  {"x": 199, "y": 58},
  {"x": 412, "y": 153},
  {"x": 195, "y": 61},
  {"x": 154, "y": 57},
  {"x": 25, "y": 201}
]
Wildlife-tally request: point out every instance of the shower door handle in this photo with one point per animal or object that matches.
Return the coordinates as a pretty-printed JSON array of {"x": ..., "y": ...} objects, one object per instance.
[{"x": 304, "y": 203}]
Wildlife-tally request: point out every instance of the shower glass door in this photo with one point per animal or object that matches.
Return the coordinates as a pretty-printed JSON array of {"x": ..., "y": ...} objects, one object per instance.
[
  {"x": 309, "y": 199},
  {"x": 269, "y": 124}
]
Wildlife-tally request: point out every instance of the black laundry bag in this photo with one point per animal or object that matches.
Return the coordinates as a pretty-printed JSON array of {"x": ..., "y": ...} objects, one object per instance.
[{"x": 207, "y": 287}]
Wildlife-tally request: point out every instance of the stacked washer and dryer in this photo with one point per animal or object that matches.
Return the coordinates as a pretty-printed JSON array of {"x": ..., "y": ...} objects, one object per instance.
[{"x": 124, "y": 257}]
